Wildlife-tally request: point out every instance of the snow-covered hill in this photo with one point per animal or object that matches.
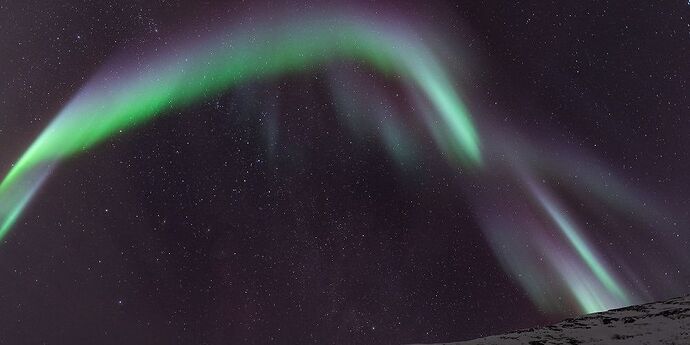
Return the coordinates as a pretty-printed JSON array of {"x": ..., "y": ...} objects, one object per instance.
[{"x": 666, "y": 322}]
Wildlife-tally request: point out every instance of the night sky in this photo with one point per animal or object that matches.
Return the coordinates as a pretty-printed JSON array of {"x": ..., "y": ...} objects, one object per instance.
[{"x": 319, "y": 204}]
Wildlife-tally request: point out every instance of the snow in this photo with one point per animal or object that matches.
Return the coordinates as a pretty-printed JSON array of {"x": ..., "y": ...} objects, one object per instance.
[{"x": 666, "y": 322}]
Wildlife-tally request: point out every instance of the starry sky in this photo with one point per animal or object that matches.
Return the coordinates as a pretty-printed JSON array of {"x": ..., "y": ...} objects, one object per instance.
[{"x": 221, "y": 172}]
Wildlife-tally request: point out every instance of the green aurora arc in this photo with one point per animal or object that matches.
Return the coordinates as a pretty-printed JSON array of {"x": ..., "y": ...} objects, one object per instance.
[
  {"x": 214, "y": 66},
  {"x": 121, "y": 99}
]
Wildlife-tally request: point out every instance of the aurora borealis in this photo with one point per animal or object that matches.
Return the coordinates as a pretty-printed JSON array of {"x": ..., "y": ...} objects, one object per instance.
[
  {"x": 563, "y": 225},
  {"x": 169, "y": 82}
]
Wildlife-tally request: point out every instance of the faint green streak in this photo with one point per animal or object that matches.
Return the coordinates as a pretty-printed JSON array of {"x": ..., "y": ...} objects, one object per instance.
[{"x": 584, "y": 252}]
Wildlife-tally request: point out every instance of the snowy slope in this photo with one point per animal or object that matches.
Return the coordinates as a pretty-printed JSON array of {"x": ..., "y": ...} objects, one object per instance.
[{"x": 666, "y": 322}]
